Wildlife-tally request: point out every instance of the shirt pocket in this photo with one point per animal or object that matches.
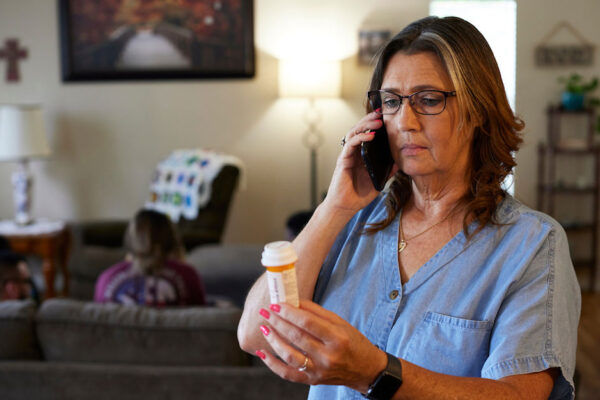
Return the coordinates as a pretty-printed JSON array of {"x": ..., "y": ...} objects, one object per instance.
[{"x": 450, "y": 345}]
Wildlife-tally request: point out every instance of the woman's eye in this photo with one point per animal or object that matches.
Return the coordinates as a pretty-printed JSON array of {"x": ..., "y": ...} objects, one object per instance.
[
  {"x": 391, "y": 103},
  {"x": 430, "y": 101}
]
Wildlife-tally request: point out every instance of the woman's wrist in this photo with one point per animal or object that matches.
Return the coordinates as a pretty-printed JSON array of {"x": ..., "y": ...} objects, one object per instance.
[
  {"x": 376, "y": 365},
  {"x": 335, "y": 212}
]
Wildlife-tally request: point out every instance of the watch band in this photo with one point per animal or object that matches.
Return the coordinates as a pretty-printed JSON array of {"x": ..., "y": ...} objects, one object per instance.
[{"x": 388, "y": 381}]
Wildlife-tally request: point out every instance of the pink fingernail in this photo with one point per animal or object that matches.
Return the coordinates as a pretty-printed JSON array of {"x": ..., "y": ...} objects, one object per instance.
[
  {"x": 264, "y": 330},
  {"x": 275, "y": 307},
  {"x": 264, "y": 313},
  {"x": 371, "y": 133},
  {"x": 260, "y": 354},
  {"x": 378, "y": 110}
]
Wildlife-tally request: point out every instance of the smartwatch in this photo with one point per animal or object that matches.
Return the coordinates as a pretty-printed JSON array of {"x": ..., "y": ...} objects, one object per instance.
[{"x": 387, "y": 382}]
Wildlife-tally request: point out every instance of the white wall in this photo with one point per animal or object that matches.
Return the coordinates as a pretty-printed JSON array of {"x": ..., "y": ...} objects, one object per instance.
[
  {"x": 537, "y": 87},
  {"x": 107, "y": 137}
]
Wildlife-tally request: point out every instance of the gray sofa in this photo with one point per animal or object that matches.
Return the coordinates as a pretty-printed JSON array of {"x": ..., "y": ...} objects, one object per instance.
[
  {"x": 76, "y": 349},
  {"x": 73, "y": 349}
]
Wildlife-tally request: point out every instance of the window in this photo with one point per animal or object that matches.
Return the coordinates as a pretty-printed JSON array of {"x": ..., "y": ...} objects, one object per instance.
[{"x": 497, "y": 21}]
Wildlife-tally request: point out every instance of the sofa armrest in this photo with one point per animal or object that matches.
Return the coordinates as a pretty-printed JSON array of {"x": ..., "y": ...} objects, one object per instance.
[{"x": 17, "y": 333}]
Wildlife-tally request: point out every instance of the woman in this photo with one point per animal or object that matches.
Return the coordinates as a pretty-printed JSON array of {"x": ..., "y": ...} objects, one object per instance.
[
  {"x": 154, "y": 273},
  {"x": 445, "y": 287}
]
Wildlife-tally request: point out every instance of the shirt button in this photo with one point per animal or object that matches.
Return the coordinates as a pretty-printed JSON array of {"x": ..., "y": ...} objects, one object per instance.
[{"x": 393, "y": 294}]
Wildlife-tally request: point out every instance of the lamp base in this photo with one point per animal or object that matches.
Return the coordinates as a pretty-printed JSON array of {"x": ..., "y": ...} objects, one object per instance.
[
  {"x": 22, "y": 182},
  {"x": 312, "y": 139}
]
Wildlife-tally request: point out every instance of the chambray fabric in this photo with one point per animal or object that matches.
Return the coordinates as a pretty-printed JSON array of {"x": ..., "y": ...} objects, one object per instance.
[{"x": 505, "y": 302}]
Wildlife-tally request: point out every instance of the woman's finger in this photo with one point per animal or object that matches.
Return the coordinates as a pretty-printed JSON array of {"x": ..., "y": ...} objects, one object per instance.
[
  {"x": 291, "y": 355},
  {"x": 316, "y": 324},
  {"x": 369, "y": 123},
  {"x": 285, "y": 371},
  {"x": 321, "y": 312},
  {"x": 291, "y": 328},
  {"x": 308, "y": 327}
]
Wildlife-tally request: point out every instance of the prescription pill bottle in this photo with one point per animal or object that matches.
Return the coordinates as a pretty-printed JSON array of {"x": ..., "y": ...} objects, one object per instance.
[{"x": 279, "y": 259}]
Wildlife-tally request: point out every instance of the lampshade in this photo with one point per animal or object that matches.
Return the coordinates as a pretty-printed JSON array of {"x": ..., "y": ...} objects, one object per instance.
[
  {"x": 22, "y": 132},
  {"x": 309, "y": 78}
]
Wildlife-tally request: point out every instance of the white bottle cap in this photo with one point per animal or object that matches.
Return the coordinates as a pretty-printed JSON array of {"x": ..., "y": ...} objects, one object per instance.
[{"x": 278, "y": 253}]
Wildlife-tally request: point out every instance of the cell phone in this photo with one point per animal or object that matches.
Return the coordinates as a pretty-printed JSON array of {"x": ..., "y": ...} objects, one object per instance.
[{"x": 377, "y": 158}]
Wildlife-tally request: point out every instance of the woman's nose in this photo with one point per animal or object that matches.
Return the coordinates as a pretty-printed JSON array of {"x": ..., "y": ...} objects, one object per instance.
[{"x": 406, "y": 118}]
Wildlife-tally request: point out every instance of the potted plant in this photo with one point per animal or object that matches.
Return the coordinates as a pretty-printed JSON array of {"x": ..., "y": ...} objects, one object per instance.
[{"x": 575, "y": 90}]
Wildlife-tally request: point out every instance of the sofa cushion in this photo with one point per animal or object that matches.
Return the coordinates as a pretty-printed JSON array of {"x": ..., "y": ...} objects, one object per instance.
[
  {"x": 72, "y": 330},
  {"x": 86, "y": 265},
  {"x": 228, "y": 270},
  {"x": 17, "y": 333}
]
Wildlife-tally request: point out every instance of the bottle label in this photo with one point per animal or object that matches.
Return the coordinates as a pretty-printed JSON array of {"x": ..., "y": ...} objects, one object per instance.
[{"x": 283, "y": 287}]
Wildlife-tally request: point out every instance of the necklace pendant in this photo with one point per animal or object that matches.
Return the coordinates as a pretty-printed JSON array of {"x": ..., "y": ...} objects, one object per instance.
[{"x": 401, "y": 246}]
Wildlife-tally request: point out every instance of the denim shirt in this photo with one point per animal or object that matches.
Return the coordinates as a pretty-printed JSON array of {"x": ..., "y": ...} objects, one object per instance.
[{"x": 505, "y": 302}]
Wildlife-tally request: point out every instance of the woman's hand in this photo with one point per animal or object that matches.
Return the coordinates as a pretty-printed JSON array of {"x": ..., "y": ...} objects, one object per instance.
[
  {"x": 351, "y": 188},
  {"x": 332, "y": 351}
]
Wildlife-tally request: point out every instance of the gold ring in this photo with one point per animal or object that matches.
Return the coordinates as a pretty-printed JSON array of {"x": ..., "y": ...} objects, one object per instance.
[{"x": 305, "y": 365}]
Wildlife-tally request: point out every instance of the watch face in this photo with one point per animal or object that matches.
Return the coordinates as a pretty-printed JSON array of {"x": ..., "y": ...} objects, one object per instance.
[{"x": 388, "y": 382}]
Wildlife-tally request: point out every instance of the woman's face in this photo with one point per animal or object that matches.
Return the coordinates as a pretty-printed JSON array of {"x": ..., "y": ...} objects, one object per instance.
[{"x": 424, "y": 145}]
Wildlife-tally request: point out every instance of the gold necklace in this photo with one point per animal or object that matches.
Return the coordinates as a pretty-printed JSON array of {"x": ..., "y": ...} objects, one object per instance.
[{"x": 403, "y": 242}]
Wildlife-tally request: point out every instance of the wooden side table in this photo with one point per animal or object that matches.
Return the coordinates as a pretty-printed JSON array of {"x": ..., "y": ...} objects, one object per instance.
[{"x": 51, "y": 240}]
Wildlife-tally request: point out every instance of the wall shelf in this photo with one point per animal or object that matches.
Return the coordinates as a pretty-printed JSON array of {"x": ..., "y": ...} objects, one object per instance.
[{"x": 549, "y": 188}]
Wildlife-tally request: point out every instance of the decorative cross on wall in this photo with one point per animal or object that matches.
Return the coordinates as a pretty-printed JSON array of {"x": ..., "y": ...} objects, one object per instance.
[{"x": 13, "y": 54}]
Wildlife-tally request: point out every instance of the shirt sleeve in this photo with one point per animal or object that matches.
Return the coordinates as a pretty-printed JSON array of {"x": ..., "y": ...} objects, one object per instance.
[
  {"x": 333, "y": 257},
  {"x": 354, "y": 228},
  {"x": 100, "y": 287},
  {"x": 536, "y": 327}
]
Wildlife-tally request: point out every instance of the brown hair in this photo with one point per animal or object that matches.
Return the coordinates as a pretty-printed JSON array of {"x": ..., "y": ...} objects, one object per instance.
[
  {"x": 151, "y": 239},
  {"x": 9, "y": 268},
  {"x": 472, "y": 68}
]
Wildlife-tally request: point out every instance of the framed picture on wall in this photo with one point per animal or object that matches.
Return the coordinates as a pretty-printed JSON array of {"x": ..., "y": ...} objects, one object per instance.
[
  {"x": 369, "y": 43},
  {"x": 156, "y": 39}
]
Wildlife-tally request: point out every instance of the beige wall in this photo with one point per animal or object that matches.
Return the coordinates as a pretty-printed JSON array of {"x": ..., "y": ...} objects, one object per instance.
[
  {"x": 538, "y": 87},
  {"x": 107, "y": 137}
]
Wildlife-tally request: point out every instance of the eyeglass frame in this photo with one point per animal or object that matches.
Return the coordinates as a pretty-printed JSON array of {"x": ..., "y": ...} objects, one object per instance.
[{"x": 451, "y": 93}]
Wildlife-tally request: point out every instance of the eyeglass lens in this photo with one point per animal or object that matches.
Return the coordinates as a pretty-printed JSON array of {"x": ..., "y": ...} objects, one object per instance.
[{"x": 427, "y": 102}]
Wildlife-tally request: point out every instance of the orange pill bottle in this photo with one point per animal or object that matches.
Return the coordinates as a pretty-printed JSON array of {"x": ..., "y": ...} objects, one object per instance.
[{"x": 279, "y": 258}]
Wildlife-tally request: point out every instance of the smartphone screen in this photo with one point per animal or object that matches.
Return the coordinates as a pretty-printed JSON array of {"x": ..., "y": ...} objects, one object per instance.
[{"x": 377, "y": 158}]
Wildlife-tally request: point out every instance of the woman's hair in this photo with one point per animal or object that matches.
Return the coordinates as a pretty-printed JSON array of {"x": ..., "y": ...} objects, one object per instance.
[
  {"x": 482, "y": 103},
  {"x": 151, "y": 239}
]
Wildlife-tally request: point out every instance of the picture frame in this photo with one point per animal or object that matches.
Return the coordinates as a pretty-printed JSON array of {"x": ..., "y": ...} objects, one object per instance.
[
  {"x": 370, "y": 41},
  {"x": 156, "y": 39}
]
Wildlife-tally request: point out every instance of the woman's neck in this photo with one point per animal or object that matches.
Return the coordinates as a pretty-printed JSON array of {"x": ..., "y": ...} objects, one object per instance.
[{"x": 436, "y": 198}]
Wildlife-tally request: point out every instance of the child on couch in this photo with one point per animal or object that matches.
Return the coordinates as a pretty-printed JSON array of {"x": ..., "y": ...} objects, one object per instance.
[{"x": 153, "y": 273}]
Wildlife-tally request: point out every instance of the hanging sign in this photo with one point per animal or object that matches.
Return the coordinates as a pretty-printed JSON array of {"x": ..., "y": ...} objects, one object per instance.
[{"x": 563, "y": 55}]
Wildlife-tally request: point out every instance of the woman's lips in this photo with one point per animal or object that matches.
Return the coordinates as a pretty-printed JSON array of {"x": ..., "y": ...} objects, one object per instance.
[{"x": 412, "y": 149}]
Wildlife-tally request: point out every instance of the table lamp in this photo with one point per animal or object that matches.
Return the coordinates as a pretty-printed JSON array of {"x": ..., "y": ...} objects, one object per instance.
[
  {"x": 22, "y": 137},
  {"x": 310, "y": 79}
]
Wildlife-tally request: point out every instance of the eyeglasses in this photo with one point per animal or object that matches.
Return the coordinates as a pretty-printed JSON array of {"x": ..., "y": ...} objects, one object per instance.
[{"x": 425, "y": 102}]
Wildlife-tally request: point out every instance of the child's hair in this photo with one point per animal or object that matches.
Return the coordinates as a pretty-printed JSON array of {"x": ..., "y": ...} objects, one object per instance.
[{"x": 151, "y": 239}]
